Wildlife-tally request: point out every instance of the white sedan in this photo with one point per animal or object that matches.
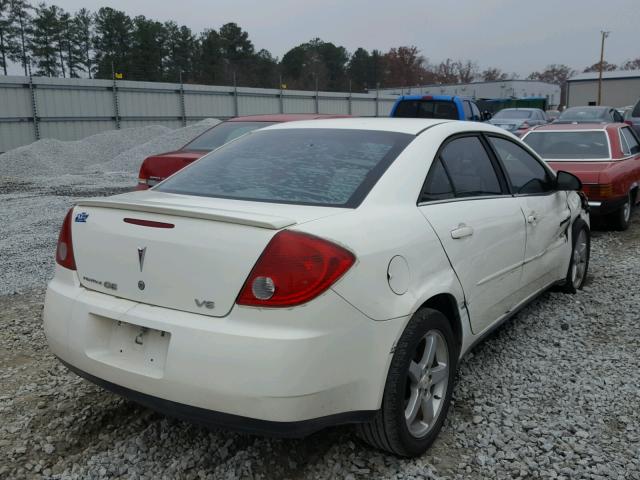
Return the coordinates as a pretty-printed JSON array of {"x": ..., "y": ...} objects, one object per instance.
[{"x": 315, "y": 273}]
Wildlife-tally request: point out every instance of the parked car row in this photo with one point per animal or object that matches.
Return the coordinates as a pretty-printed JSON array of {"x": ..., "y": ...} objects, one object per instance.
[{"x": 606, "y": 158}]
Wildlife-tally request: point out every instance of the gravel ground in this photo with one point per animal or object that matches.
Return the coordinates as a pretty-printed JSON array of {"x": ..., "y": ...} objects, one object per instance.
[
  {"x": 35, "y": 203},
  {"x": 554, "y": 393}
]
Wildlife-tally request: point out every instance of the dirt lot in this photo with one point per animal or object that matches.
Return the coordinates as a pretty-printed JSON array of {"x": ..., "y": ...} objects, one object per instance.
[{"x": 554, "y": 393}]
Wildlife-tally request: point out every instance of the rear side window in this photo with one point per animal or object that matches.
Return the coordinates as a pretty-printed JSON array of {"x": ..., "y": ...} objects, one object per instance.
[
  {"x": 305, "y": 166},
  {"x": 569, "y": 145},
  {"x": 632, "y": 141},
  {"x": 223, "y": 133},
  {"x": 526, "y": 173},
  {"x": 438, "y": 186},
  {"x": 426, "y": 109},
  {"x": 469, "y": 167}
]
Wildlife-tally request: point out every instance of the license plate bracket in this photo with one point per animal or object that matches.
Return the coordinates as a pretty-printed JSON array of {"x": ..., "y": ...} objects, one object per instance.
[{"x": 131, "y": 347}]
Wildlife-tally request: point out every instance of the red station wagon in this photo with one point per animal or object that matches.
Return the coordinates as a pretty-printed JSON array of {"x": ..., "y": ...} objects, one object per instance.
[
  {"x": 606, "y": 158},
  {"x": 156, "y": 168}
]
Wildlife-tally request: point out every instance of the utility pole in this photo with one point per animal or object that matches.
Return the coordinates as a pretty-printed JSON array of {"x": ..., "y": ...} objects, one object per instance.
[{"x": 604, "y": 35}]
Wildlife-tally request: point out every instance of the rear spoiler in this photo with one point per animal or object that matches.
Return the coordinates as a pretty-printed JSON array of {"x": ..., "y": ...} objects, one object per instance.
[{"x": 270, "y": 222}]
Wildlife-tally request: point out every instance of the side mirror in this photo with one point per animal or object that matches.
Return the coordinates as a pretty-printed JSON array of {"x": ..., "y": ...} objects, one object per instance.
[
  {"x": 567, "y": 181},
  {"x": 486, "y": 115}
]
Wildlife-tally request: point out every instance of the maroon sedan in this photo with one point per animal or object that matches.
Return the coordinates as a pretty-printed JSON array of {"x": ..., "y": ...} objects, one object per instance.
[{"x": 156, "y": 168}]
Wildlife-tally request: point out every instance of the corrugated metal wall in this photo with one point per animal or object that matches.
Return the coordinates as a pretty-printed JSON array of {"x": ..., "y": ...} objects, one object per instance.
[
  {"x": 73, "y": 108},
  {"x": 616, "y": 92}
]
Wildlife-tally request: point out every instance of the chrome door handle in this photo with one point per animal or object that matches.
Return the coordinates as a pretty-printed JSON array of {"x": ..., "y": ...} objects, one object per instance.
[{"x": 461, "y": 231}]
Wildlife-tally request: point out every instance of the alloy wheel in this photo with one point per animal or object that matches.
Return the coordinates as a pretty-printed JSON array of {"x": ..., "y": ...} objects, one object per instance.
[
  {"x": 428, "y": 377},
  {"x": 580, "y": 258}
]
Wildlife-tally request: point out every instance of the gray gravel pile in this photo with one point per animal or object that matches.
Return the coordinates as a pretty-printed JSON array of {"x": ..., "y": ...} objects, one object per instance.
[
  {"x": 39, "y": 182},
  {"x": 130, "y": 160},
  {"x": 111, "y": 151},
  {"x": 56, "y": 157},
  {"x": 554, "y": 393}
]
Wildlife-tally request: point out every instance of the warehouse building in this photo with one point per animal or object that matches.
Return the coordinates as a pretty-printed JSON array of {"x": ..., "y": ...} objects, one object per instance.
[
  {"x": 497, "y": 89},
  {"x": 620, "y": 88}
]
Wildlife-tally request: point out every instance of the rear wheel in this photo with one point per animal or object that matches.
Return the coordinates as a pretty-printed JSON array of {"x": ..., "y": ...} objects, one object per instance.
[
  {"x": 418, "y": 389},
  {"x": 621, "y": 218}
]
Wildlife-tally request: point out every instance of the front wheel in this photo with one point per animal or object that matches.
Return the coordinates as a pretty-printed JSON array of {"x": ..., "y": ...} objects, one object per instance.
[
  {"x": 418, "y": 390},
  {"x": 580, "y": 253}
]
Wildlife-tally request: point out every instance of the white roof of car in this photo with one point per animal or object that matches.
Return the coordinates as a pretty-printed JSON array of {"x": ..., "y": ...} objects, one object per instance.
[
  {"x": 388, "y": 124},
  {"x": 412, "y": 126}
]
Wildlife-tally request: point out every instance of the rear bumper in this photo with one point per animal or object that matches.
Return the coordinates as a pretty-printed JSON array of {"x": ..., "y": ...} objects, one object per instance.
[
  {"x": 276, "y": 371},
  {"x": 236, "y": 423},
  {"x": 605, "y": 207}
]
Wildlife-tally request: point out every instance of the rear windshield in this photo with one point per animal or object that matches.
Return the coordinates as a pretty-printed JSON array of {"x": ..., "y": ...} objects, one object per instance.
[
  {"x": 583, "y": 115},
  {"x": 513, "y": 114},
  {"x": 427, "y": 109},
  {"x": 223, "y": 133},
  {"x": 307, "y": 166},
  {"x": 569, "y": 145}
]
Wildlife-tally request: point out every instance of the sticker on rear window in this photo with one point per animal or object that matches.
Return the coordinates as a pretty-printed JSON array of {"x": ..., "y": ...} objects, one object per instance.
[{"x": 82, "y": 217}]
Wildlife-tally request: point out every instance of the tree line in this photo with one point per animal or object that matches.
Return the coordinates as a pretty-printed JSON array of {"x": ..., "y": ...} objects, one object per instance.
[{"x": 45, "y": 40}]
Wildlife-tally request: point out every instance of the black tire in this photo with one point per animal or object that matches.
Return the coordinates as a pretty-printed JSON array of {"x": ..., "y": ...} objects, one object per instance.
[
  {"x": 621, "y": 218},
  {"x": 571, "y": 284},
  {"x": 388, "y": 430}
]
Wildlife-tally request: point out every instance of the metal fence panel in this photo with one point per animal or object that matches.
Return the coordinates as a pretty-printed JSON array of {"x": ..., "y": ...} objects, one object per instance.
[
  {"x": 72, "y": 130},
  {"x": 203, "y": 104},
  {"x": 14, "y": 135},
  {"x": 73, "y": 108}
]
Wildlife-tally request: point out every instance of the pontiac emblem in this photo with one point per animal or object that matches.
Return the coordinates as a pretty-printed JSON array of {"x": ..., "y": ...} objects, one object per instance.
[{"x": 141, "y": 253}]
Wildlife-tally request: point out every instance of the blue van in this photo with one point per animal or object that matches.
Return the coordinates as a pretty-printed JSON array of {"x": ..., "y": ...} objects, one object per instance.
[{"x": 448, "y": 107}]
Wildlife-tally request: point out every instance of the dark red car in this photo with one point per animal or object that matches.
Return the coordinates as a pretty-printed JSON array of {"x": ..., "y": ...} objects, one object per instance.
[
  {"x": 156, "y": 168},
  {"x": 606, "y": 158}
]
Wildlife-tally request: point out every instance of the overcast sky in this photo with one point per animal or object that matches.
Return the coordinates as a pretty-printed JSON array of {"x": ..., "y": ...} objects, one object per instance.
[{"x": 515, "y": 35}]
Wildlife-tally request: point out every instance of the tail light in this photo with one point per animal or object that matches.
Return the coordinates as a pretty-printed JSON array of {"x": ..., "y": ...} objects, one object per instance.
[
  {"x": 143, "y": 177},
  {"x": 64, "y": 250},
  {"x": 598, "y": 191},
  {"x": 293, "y": 269}
]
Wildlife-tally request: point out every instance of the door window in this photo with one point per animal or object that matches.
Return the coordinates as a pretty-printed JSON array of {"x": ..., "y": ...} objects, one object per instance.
[
  {"x": 632, "y": 141},
  {"x": 469, "y": 168},
  {"x": 526, "y": 173}
]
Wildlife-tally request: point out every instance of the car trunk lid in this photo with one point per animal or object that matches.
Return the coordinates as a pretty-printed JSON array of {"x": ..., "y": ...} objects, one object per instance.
[
  {"x": 156, "y": 168},
  {"x": 174, "y": 251},
  {"x": 587, "y": 171}
]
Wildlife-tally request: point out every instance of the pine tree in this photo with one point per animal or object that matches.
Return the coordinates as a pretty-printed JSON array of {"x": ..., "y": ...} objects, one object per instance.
[
  {"x": 82, "y": 40},
  {"x": 61, "y": 24},
  {"x": 42, "y": 44},
  {"x": 148, "y": 50},
  {"x": 238, "y": 53},
  {"x": 210, "y": 58},
  {"x": 181, "y": 47},
  {"x": 358, "y": 69},
  {"x": 21, "y": 21},
  {"x": 112, "y": 42},
  {"x": 7, "y": 34}
]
